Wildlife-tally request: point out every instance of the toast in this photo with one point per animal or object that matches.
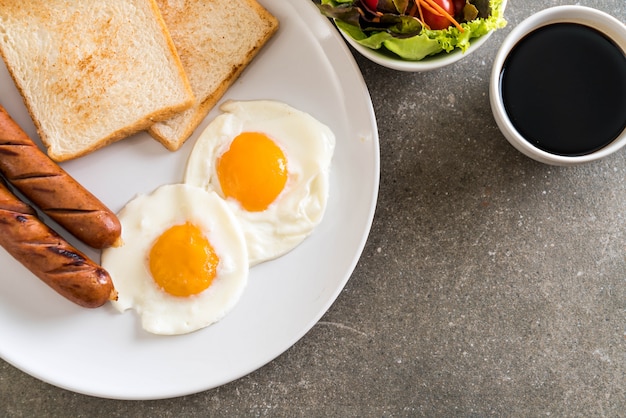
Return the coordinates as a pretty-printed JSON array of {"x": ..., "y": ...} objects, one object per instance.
[
  {"x": 216, "y": 40},
  {"x": 91, "y": 72}
]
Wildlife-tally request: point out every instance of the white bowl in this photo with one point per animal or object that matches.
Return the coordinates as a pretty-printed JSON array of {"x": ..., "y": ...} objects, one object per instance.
[
  {"x": 605, "y": 23},
  {"x": 432, "y": 62}
]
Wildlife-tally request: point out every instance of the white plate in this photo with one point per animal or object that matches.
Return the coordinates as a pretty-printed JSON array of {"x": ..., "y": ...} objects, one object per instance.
[{"x": 103, "y": 353}]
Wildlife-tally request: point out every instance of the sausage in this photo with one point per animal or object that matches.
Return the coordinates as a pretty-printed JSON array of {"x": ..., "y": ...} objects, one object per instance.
[
  {"x": 48, "y": 256},
  {"x": 53, "y": 190}
]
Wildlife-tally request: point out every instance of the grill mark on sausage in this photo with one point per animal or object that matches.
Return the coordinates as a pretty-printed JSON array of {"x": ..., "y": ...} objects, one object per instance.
[
  {"x": 71, "y": 211},
  {"x": 74, "y": 258},
  {"x": 30, "y": 176}
]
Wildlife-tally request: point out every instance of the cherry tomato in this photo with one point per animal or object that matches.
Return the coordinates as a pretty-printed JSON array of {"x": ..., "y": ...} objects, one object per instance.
[
  {"x": 436, "y": 21},
  {"x": 371, "y": 4}
]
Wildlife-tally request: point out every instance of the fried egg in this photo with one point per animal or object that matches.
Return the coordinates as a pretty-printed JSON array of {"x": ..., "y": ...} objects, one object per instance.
[
  {"x": 271, "y": 164},
  {"x": 184, "y": 262}
]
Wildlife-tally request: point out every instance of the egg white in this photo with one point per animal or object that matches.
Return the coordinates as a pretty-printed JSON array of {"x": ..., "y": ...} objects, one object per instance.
[
  {"x": 143, "y": 220},
  {"x": 308, "y": 146}
]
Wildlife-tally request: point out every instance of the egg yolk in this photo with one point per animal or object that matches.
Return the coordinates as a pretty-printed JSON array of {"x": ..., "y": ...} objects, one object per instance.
[
  {"x": 182, "y": 261},
  {"x": 253, "y": 171}
]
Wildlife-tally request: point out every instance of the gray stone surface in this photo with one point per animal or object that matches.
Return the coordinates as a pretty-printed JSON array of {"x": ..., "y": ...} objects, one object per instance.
[{"x": 491, "y": 285}]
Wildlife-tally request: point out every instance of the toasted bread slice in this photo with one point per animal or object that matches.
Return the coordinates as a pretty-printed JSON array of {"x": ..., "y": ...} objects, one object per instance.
[
  {"x": 216, "y": 40},
  {"x": 91, "y": 72}
]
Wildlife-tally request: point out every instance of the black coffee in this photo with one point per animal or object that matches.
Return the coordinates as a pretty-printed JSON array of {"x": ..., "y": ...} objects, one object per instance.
[{"x": 564, "y": 89}]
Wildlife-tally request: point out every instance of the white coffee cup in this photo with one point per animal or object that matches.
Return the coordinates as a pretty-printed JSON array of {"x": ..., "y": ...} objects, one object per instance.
[{"x": 602, "y": 22}]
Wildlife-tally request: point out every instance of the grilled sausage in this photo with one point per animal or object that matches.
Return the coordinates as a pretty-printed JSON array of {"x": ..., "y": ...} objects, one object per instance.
[
  {"x": 49, "y": 257},
  {"x": 53, "y": 190}
]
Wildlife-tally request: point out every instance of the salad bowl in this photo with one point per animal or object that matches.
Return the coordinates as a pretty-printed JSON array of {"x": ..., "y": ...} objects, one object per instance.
[
  {"x": 429, "y": 63},
  {"x": 432, "y": 60}
]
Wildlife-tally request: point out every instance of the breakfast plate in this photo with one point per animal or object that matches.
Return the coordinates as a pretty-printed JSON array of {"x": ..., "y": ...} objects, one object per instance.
[{"x": 103, "y": 353}]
